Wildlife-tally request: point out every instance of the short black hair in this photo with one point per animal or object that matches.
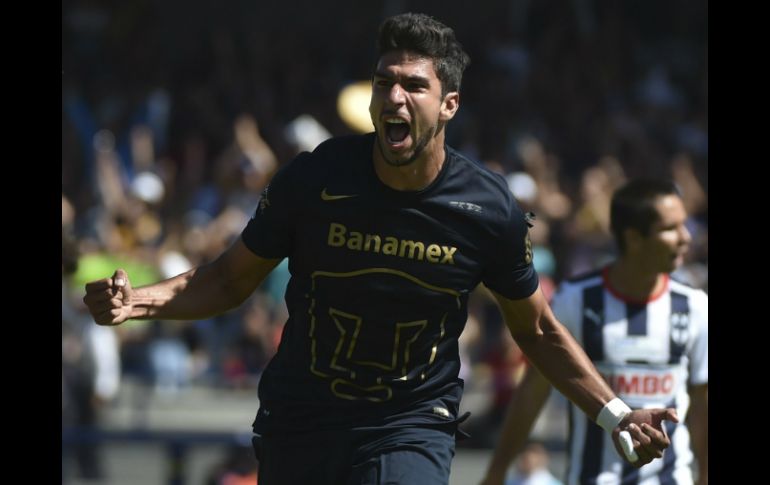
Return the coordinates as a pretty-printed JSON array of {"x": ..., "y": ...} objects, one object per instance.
[
  {"x": 426, "y": 36},
  {"x": 633, "y": 207}
]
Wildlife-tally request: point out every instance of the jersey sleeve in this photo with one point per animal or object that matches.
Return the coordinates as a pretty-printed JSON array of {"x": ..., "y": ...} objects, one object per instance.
[
  {"x": 699, "y": 352},
  {"x": 511, "y": 272},
  {"x": 270, "y": 232}
]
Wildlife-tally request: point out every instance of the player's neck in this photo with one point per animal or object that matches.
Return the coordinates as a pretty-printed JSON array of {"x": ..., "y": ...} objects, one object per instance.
[
  {"x": 630, "y": 279},
  {"x": 416, "y": 175}
]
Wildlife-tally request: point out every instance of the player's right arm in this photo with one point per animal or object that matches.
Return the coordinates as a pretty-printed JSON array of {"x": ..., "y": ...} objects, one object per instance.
[
  {"x": 699, "y": 429},
  {"x": 202, "y": 292},
  {"x": 525, "y": 406}
]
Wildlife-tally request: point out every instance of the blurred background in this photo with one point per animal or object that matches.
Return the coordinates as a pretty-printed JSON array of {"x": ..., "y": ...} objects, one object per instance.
[{"x": 175, "y": 115}]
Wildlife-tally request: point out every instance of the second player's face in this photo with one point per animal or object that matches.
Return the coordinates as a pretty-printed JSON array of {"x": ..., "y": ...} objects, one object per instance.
[
  {"x": 668, "y": 241},
  {"x": 407, "y": 107}
]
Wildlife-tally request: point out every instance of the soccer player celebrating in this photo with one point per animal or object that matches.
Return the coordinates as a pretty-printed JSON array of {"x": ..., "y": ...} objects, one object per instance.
[{"x": 386, "y": 235}]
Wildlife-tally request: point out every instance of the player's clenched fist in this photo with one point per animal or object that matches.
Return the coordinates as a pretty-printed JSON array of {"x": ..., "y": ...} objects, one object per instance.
[
  {"x": 109, "y": 299},
  {"x": 648, "y": 437}
]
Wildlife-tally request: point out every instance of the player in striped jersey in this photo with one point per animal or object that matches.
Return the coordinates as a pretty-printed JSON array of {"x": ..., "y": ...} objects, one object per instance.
[{"x": 646, "y": 333}]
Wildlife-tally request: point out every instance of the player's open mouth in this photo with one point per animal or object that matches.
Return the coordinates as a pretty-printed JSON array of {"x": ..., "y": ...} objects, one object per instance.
[{"x": 396, "y": 131}]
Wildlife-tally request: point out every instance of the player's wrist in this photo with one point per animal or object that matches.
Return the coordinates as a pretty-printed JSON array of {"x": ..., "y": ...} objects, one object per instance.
[{"x": 612, "y": 414}]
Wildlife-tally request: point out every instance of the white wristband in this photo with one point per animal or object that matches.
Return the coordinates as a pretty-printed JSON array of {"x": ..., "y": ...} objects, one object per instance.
[{"x": 612, "y": 414}]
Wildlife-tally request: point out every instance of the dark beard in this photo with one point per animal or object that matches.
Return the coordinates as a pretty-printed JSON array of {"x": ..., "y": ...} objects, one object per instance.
[{"x": 418, "y": 149}]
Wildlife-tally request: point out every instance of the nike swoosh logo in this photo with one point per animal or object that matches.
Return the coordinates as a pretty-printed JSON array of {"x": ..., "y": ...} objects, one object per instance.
[{"x": 325, "y": 196}]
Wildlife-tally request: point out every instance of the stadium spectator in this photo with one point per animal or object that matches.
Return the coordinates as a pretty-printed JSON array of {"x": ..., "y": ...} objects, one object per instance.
[{"x": 90, "y": 371}]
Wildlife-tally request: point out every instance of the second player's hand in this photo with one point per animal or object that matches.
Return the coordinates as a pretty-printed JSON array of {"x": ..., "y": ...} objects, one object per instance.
[
  {"x": 109, "y": 299},
  {"x": 648, "y": 433}
]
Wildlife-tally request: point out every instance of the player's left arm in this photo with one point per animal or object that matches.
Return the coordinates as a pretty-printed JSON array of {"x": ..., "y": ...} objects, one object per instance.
[
  {"x": 554, "y": 352},
  {"x": 698, "y": 424},
  {"x": 697, "y": 417}
]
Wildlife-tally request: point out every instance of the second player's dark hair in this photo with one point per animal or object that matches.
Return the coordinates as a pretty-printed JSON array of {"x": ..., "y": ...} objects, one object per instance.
[
  {"x": 426, "y": 36},
  {"x": 633, "y": 207}
]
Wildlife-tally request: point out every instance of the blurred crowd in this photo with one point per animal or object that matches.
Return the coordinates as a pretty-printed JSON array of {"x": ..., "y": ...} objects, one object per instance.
[{"x": 176, "y": 115}]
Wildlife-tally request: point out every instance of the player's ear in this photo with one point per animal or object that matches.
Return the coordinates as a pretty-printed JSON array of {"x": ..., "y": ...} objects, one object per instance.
[{"x": 449, "y": 106}]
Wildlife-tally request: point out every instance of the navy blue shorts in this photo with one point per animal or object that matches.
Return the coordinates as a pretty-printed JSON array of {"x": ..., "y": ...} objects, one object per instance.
[{"x": 372, "y": 456}]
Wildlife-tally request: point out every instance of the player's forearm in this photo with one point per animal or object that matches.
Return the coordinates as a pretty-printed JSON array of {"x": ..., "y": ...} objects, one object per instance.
[
  {"x": 522, "y": 413},
  {"x": 698, "y": 426},
  {"x": 700, "y": 448},
  {"x": 197, "y": 294},
  {"x": 563, "y": 362},
  {"x": 550, "y": 347}
]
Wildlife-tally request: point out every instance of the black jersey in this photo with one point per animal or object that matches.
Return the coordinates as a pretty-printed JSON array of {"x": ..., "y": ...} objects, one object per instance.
[{"x": 379, "y": 285}]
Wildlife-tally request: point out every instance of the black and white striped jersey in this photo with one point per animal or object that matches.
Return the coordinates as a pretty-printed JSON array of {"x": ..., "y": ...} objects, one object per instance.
[{"x": 648, "y": 351}]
